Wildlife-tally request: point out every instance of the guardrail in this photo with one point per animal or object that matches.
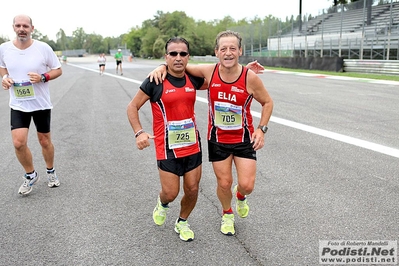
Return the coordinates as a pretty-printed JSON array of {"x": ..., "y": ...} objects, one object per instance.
[
  {"x": 207, "y": 58},
  {"x": 74, "y": 53},
  {"x": 387, "y": 67}
]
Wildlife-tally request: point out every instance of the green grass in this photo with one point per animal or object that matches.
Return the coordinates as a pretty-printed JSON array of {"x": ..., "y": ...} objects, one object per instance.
[{"x": 343, "y": 74}]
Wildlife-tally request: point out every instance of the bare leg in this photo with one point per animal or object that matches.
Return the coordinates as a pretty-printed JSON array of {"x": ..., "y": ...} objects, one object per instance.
[
  {"x": 246, "y": 173},
  {"x": 191, "y": 187},
  {"x": 223, "y": 172},
  {"x": 170, "y": 186},
  {"x": 22, "y": 151},
  {"x": 47, "y": 148}
]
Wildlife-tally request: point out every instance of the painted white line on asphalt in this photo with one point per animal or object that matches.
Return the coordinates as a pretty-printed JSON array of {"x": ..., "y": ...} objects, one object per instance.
[
  {"x": 329, "y": 134},
  {"x": 336, "y": 136},
  {"x": 107, "y": 74},
  {"x": 317, "y": 131}
]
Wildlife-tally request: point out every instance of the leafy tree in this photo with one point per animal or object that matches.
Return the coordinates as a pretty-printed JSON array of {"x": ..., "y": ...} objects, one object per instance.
[
  {"x": 3, "y": 39},
  {"x": 62, "y": 40},
  {"x": 107, "y": 42},
  {"x": 175, "y": 24},
  {"x": 201, "y": 38},
  {"x": 158, "y": 48},
  {"x": 78, "y": 39},
  {"x": 52, "y": 44},
  {"x": 133, "y": 40},
  {"x": 37, "y": 35},
  {"x": 117, "y": 42},
  {"x": 94, "y": 44},
  {"x": 150, "y": 35}
]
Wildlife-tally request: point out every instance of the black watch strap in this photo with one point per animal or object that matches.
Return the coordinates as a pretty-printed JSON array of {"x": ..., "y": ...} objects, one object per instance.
[{"x": 263, "y": 128}]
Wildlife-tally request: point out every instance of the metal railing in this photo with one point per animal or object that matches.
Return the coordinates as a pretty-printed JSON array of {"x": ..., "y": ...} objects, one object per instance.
[{"x": 385, "y": 67}]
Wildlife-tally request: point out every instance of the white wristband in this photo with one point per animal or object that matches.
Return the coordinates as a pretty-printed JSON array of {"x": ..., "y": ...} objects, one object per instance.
[{"x": 5, "y": 76}]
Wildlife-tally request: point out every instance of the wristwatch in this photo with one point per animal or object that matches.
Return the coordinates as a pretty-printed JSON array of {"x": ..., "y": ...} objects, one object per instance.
[
  {"x": 43, "y": 78},
  {"x": 263, "y": 128}
]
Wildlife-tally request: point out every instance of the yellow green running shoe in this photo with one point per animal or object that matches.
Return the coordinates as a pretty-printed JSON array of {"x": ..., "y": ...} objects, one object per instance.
[
  {"x": 159, "y": 213},
  {"x": 183, "y": 229},
  {"x": 242, "y": 207},
  {"x": 227, "y": 225}
]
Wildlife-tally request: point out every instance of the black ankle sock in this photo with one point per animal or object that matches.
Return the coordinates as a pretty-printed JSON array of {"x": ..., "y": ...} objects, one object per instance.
[
  {"x": 32, "y": 174},
  {"x": 181, "y": 220},
  {"x": 51, "y": 170}
]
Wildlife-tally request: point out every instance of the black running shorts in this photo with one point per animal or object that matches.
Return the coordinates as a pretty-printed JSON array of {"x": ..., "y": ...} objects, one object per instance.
[
  {"x": 219, "y": 151},
  {"x": 41, "y": 118},
  {"x": 180, "y": 166}
]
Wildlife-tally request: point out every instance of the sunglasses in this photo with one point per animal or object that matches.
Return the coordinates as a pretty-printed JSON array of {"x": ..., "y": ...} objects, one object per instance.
[{"x": 182, "y": 54}]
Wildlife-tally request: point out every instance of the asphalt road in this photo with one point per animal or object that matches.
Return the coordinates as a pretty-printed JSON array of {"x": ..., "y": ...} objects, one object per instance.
[{"x": 329, "y": 171}]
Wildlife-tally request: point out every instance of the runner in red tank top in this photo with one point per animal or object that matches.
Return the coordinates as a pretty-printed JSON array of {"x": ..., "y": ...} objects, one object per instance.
[
  {"x": 230, "y": 119},
  {"x": 176, "y": 137},
  {"x": 231, "y": 134}
]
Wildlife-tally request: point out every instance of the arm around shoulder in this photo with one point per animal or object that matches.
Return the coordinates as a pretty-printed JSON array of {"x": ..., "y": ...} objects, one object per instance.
[{"x": 200, "y": 70}]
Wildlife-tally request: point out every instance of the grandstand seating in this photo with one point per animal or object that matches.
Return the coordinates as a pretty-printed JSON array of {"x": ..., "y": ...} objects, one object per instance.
[{"x": 345, "y": 29}]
